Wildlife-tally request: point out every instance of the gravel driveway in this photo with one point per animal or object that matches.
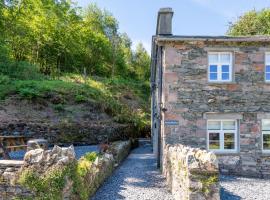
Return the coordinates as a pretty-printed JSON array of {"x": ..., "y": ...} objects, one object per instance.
[
  {"x": 136, "y": 179},
  {"x": 236, "y": 188}
]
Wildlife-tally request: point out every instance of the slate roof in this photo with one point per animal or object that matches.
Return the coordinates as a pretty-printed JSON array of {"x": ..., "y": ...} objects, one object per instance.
[{"x": 258, "y": 38}]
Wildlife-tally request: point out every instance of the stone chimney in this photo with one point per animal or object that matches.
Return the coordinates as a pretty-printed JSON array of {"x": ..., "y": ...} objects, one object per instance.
[{"x": 164, "y": 21}]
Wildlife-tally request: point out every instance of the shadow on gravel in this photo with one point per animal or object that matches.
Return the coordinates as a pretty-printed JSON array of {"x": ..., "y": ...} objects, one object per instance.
[
  {"x": 227, "y": 178},
  {"x": 137, "y": 176},
  {"x": 226, "y": 195}
]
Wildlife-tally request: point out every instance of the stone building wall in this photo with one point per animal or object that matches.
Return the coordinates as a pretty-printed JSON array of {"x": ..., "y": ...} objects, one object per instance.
[
  {"x": 188, "y": 99},
  {"x": 191, "y": 173}
]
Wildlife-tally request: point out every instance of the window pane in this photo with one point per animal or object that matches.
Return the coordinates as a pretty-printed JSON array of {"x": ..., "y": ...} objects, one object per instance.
[
  {"x": 213, "y": 76},
  {"x": 267, "y": 58},
  {"x": 225, "y": 76},
  {"x": 225, "y": 68},
  {"x": 214, "y": 141},
  {"x": 265, "y": 125},
  {"x": 266, "y": 141},
  {"x": 228, "y": 140},
  {"x": 213, "y": 58},
  {"x": 214, "y": 125},
  {"x": 267, "y": 76},
  {"x": 213, "y": 68},
  {"x": 229, "y": 125},
  {"x": 267, "y": 68},
  {"x": 225, "y": 58}
]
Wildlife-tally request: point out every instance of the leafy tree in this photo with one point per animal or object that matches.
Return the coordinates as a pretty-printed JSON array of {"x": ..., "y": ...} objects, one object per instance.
[
  {"x": 141, "y": 62},
  {"x": 57, "y": 37},
  {"x": 251, "y": 23}
]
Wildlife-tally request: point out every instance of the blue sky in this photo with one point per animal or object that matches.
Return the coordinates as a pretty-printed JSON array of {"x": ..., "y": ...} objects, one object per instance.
[{"x": 191, "y": 17}]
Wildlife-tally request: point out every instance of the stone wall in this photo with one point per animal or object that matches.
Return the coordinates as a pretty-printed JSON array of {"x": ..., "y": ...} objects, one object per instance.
[
  {"x": 191, "y": 173},
  {"x": 42, "y": 162},
  {"x": 66, "y": 133},
  {"x": 188, "y": 97}
]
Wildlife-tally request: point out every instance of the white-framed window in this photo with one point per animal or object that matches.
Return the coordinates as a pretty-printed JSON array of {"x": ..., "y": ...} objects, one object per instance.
[
  {"x": 266, "y": 135},
  {"x": 222, "y": 136},
  {"x": 219, "y": 66},
  {"x": 267, "y": 67}
]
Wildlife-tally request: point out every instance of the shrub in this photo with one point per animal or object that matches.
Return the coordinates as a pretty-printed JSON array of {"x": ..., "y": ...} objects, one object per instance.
[
  {"x": 47, "y": 186},
  {"x": 80, "y": 98},
  {"x": 59, "y": 107},
  {"x": 4, "y": 79},
  {"x": 21, "y": 70},
  {"x": 28, "y": 93},
  {"x": 91, "y": 156}
]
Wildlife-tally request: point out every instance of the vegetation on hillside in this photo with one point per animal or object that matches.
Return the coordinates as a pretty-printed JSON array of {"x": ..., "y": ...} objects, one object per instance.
[
  {"x": 251, "y": 23},
  {"x": 55, "y": 47}
]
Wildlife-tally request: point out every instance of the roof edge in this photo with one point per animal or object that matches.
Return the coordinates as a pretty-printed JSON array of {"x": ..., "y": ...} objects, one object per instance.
[{"x": 257, "y": 38}]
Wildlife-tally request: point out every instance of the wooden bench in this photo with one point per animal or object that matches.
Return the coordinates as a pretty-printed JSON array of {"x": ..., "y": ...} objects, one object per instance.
[{"x": 12, "y": 143}]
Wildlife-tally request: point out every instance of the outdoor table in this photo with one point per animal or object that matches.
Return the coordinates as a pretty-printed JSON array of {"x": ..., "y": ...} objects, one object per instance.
[{"x": 12, "y": 143}]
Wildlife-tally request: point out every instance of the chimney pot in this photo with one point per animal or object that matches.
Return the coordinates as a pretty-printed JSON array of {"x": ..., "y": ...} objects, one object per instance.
[{"x": 164, "y": 21}]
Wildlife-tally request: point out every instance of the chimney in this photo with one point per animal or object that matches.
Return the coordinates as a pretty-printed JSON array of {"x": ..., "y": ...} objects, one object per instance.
[{"x": 164, "y": 21}]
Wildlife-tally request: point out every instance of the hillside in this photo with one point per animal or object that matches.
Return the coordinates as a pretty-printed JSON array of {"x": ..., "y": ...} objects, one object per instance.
[{"x": 73, "y": 109}]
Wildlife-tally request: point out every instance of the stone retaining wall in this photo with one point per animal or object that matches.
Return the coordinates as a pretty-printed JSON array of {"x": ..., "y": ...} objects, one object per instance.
[
  {"x": 65, "y": 133},
  {"x": 191, "y": 173},
  {"x": 42, "y": 162}
]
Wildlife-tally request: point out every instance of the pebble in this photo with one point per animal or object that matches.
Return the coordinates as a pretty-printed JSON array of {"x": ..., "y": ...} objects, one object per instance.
[
  {"x": 137, "y": 178},
  {"x": 236, "y": 188}
]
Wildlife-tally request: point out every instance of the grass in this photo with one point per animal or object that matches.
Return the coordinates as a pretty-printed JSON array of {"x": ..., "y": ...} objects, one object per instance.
[{"x": 73, "y": 88}]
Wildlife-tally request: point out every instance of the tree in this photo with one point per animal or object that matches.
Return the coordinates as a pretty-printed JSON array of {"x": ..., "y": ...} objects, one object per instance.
[
  {"x": 141, "y": 62},
  {"x": 251, "y": 23},
  {"x": 56, "y": 36}
]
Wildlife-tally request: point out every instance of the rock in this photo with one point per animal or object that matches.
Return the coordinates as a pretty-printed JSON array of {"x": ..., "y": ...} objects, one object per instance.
[
  {"x": 58, "y": 156},
  {"x": 33, "y": 156}
]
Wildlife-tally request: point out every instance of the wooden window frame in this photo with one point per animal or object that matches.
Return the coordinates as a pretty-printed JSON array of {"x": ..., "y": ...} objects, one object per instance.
[
  {"x": 219, "y": 67},
  {"x": 221, "y": 135},
  {"x": 263, "y": 133},
  {"x": 266, "y": 64}
]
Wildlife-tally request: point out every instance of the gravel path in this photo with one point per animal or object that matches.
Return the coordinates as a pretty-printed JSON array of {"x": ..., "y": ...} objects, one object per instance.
[
  {"x": 136, "y": 179},
  {"x": 236, "y": 188}
]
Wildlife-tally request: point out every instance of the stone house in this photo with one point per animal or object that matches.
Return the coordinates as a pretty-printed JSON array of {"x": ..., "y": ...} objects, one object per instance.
[{"x": 212, "y": 92}]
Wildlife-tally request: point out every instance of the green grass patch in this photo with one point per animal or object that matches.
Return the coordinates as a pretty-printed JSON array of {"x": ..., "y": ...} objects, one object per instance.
[{"x": 106, "y": 92}]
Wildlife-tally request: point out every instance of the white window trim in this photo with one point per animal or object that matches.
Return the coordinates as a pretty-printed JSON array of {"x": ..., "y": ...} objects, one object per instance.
[
  {"x": 263, "y": 150},
  {"x": 219, "y": 64},
  {"x": 221, "y": 139},
  {"x": 266, "y": 63}
]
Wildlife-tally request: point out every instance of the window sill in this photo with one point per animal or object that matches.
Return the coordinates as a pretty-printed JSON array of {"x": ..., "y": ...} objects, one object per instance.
[
  {"x": 221, "y": 82},
  {"x": 227, "y": 153}
]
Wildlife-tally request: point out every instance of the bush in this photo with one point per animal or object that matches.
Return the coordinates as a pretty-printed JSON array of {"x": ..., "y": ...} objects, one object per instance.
[
  {"x": 4, "y": 79},
  {"x": 59, "y": 107},
  {"x": 80, "y": 98},
  {"x": 91, "y": 156},
  {"x": 28, "y": 93},
  {"x": 21, "y": 71}
]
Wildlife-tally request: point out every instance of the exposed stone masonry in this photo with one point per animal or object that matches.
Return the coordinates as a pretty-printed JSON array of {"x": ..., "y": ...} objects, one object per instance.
[
  {"x": 191, "y": 173},
  {"x": 188, "y": 96}
]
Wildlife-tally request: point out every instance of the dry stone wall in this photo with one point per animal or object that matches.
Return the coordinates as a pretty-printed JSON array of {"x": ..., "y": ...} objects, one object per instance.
[
  {"x": 43, "y": 162},
  {"x": 69, "y": 132},
  {"x": 192, "y": 174}
]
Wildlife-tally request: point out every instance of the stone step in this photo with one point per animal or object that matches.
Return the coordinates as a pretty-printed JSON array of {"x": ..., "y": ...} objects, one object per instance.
[{"x": 10, "y": 163}]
